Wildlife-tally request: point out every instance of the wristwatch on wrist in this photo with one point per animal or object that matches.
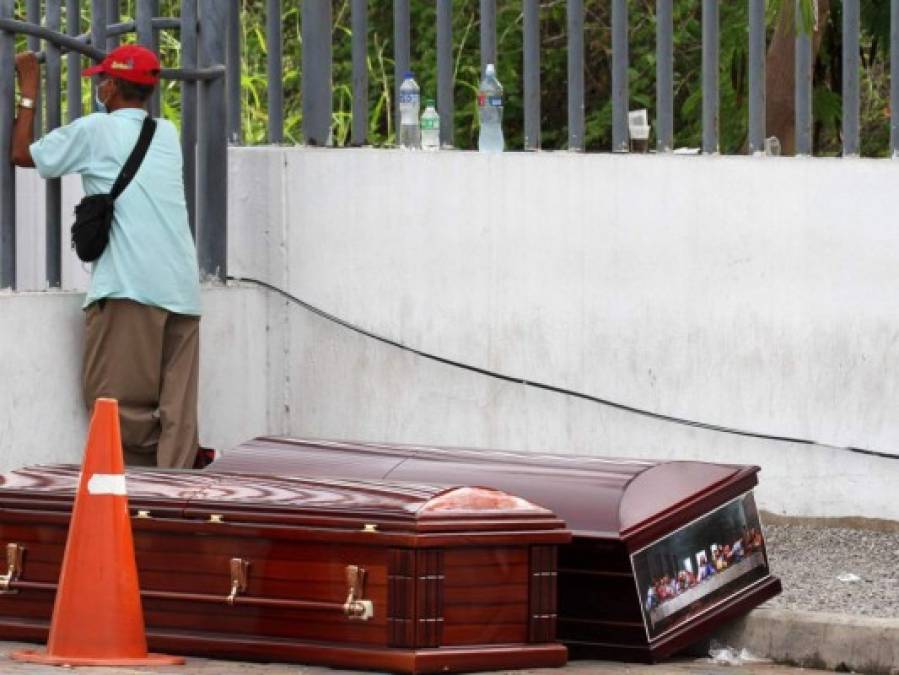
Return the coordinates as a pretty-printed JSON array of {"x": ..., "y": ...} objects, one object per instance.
[{"x": 26, "y": 102}]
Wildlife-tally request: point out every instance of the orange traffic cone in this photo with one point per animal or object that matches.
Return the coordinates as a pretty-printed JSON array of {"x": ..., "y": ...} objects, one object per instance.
[{"x": 97, "y": 617}]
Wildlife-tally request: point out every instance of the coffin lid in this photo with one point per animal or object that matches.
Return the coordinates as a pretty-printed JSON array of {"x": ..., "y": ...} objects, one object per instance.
[
  {"x": 596, "y": 496},
  {"x": 53, "y": 487}
]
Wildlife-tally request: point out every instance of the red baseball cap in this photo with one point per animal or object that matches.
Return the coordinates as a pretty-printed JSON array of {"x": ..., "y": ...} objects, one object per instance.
[{"x": 129, "y": 62}]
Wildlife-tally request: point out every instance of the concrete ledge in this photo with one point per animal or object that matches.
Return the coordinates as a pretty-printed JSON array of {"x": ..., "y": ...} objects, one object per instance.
[{"x": 817, "y": 640}]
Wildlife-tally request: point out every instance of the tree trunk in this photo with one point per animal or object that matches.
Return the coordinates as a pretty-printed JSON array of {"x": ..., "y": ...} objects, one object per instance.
[{"x": 780, "y": 94}]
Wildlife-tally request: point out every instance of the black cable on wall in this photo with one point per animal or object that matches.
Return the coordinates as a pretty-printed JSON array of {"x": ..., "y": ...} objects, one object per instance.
[{"x": 557, "y": 390}]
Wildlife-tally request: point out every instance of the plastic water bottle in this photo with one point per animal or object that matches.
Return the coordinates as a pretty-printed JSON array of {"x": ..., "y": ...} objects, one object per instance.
[
  {"x": 490, "y": 112},
  {"x": 430, "y": 127},
  {"x": 410, "y": 104}
]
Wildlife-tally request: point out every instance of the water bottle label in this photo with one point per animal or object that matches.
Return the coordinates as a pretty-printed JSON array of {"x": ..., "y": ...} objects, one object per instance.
[
  {"x": 408, "y": 97},
  {"x": 492, "y": 101},
  {"x": 430, "y": 124}
]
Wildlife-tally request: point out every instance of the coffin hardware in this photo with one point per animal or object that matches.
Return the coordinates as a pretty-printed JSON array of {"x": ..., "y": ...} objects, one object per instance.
[
  {"x": 216, "y": 518},
  {"x": 356, "y": 608},
  {"x": 239, "y": 569},
  {"x": 369, "y": 527},
  {"x": 143, "y": 515},
  {"x": 14, "y": 557}
]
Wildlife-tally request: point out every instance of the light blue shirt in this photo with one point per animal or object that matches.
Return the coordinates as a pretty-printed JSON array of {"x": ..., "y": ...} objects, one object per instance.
[{"x": 151, "y": 257}]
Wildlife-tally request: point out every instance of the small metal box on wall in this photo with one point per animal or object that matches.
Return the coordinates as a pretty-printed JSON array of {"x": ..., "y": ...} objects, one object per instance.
[
  {"x": 403, "y": 577},
  {"x": 663, "y": 551}
]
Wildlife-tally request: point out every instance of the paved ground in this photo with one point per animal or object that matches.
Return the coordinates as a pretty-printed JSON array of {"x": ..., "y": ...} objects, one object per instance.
[
  {"x": 208, "y": 667},
  {"x": 811, "y": 560}
]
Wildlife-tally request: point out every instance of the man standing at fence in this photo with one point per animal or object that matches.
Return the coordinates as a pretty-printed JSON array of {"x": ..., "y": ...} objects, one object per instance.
[{"x": 143, "y": 307}]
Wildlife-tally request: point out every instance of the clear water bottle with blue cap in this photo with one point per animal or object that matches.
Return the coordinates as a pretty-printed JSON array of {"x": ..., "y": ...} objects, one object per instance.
[
  {"x": 410, "y": 105},
  {"x": 490, "y": 112}
]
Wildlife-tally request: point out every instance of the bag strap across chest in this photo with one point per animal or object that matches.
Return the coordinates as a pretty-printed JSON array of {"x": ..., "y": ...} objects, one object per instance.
[{"x": 129, "y": 170}]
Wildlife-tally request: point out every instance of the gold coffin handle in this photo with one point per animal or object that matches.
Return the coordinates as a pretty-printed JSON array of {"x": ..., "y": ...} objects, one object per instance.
[
  {"x": 15, "y": 554},
  {"x": 239, "y": 571},
  {"x": 356, "y": 608}
]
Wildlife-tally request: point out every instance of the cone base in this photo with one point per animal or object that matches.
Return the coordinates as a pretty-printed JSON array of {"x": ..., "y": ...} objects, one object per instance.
[{"x": 44, "y": 658}]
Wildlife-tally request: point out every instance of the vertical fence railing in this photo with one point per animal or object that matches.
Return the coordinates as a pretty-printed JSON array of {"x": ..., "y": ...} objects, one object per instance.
[
  {"x": 33, "y": 15},
  {"x": 620, "y": 88},
  {"x": 446, "y": 103},
  {"x": 531, "y": 70},
  {"x": 316, "y": 84},
  {"x": 232, "y": 65},
  {"x": 189, "y": 60},
  {"x": 212, "y": 143},
  {"x": 402, "y": 54},
  {"x": 803, "y": 83},
  {"x": 710, "y": 76},
  {"x": 114, "y": 16},
  {"x": 665, "y": 76},
  {"x": 359, "y": 18},
  {"x": 145, "y": 11},
  {"x": 488, "y": 33},
  {"x": 203, "y": 122},
  {"x": 756, "y": 76},
  {"x": 894, "y": 78},
  {"x": 850, "y": 58},
  {"x": 575, "y": 24},
  {"x": 7, "y": 171},
  {"x": 53, "y": 199},
  {"x": 73, "y": 62},
  {"x": 98, "y": 37}
]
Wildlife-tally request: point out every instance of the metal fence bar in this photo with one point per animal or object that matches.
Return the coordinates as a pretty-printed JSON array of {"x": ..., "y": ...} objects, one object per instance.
[
  {"x": 53, "y": 198},
  {"x": 113, "y": 16},
  {"x": 273, "y": 67},
  {"x": 316, "y": 87},
  {"x": 803, "y": 67},
  {"x": 189, "y": 109},
  {"x": 664, "y": 76},
  {"x": 531, "y": 41},
  {"x": 710, "y": 103},
  {"x": 359, "y": 132},
  {"x": 73, "y": 60},
  {"x": 446, "y": 104},
  {"x": 212, "y": 145},
  {"x": 146, "y": 10},
  {"x": 620, "y": 93},
  {"x": 401, "y": 54},
  {"x": 894, "y": 78},
  {"x": 33, "y": 15},
  {"x": 575, "y": 23},
  {"x": 98, "y": 36},
  {"x": 757, "y": 45},
  {"x": 232, "y": 65},
  {"x": 7, "y": 171},
  {"x": 488, "y": 33},
  {"x": 851, "y": 28}
]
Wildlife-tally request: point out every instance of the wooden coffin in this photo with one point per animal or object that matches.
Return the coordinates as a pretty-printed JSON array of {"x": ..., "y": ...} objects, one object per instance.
[
  {"x": 634, "y": 524},
  {"x": 404, "y": 577}
]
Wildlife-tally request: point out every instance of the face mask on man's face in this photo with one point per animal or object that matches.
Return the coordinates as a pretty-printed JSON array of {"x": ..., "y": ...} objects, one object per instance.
[{"x": 101, "y": 106}]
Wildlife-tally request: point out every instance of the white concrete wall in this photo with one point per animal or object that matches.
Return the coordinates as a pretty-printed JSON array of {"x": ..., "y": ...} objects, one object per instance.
[
  {"x": 42, "y": 416},
  {"x": 755, "y": 293}
]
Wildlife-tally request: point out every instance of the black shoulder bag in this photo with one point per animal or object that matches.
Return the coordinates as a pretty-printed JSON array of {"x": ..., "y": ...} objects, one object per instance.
[{"x": 93, "y": 216}]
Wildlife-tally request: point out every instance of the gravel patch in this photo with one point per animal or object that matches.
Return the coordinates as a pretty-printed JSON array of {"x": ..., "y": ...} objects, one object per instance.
[{"x": 812, "y": 560}]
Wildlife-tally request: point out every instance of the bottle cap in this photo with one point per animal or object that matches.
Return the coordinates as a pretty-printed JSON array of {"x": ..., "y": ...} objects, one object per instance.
[
  {"x": 409, "y": 75},
  {"x": 491, "y": 69},
  {"x": 430, "y": 102}
]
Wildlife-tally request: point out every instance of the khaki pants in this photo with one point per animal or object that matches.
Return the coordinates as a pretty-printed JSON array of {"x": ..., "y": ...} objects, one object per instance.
[{"x": 148, "y": 359}]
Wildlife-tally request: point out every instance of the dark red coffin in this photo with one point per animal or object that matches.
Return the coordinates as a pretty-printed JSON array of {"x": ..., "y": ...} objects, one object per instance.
[
  {"x": 405, "y": 577},
  {"x": 641, "y": 579}
]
